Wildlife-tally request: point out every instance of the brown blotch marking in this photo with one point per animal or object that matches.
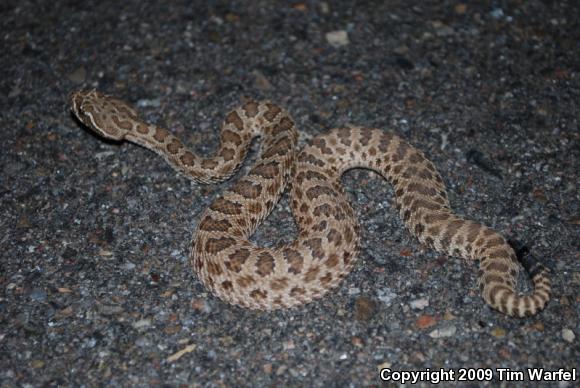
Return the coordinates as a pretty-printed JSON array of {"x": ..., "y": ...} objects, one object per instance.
[
  {"x": 397, "y": 169},
  {"x": 188, "y": 159},
  {"x": 237, "y": 259},
  {"x": 214, "y": 268},
  {"x": 231, "y": 137},
  {"x": 318, "y": 190},
  {"x": 265, "y": 264},
  {"x": 160, "y": 134},
  {"x": 473, "y": 231},
  {"x": 372, "y": 151},
  {"x": 425, "y": 174},
  {"x": 434, "y": 230},
  {"x": 320, "y": 143},
  {"x": 285, "y": 124},
  {"x": 273, "y": 189},
  {"x": 494, "y": 242},
  {"x": 297, "y": 292},
  {"x": 294, "y": 259},
  {"x": 334, "y": 236},
  {"x": 311, "y": 175},
  {"x": 346, "y": 258},
  {"x": 401, "y": 151},
  {"x": 385, "y": 141},
  {"x": 494, "y": 279},
  {"x": 332, "y": 260},
  {"x": 410, "y": 172},
  {"x": 247, "y": 189},
  {"x": 254, "y": 208},
  {"x": 320, "y": 226},
  {"x": 250, "y": 108},
  {"x": 499, "y": 254},
  {"x": 227, "y": 285},
  {"x": 450, "y": 232},
  {"x": 259, "y": 294},
  {"x": 305, "y": 157},
  {"x": 315, "y": 245},
  {"x": 421, "y": 203},
  {"x": 279, "y": 284},
  {"x": 174, "y": 146},
  {"x": 348, "y": 234},
  {"x": 419, "y": 229},
  {"x": 234, "y": 118},
  {"x": 326, "y": 279},
  {"x": 311, "y": 274},
  {"x": 216, "y": 245},
  {"x": 227, "y": 154},
  {"x": 123, "y": 124},
  {"x": 436, "y": 217},
  {"x": 281, "y": 148},
  {"x": 303, "y": 208},
  {"x": 209, "y": 164},
  {"x": 343, "y": 135},
  {"x": 272, "y": 112},
  {"x": 365, "y": 137},
  {"x": 495, "y": 290},
  {"x": 222, "y": 205},
  {"x": 242, "y": 223},
  {"x": 142, "y": 128},
  {"x": 266, "y": 170},
  {"x": 210, "y": 224},
  {"x": 496, "y": 266},
  {"x": 422, "y": 189},
  {"x": 245, "y": 281},
  {"x": 416, "y": 158},
  {"x": 323, "y": 210}
]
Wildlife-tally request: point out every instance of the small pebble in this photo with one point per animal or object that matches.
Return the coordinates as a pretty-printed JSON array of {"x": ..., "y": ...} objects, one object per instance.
[
  {"x": 419, "y": 304},
  {"x": 568, "y": 335},
  {"x": 425, "y": 321},
  {"x": 38, "y": 295},
  {"x": 337, "y": 38},
  {"x": 141, "y": 323},
  {"x": 444, "y": 331},
  {"x": 386, "y": 295},
  {"x": 365, "y": 309},
  {"x": 498, "y": 332},
  {"x": 78, "y": 76}
]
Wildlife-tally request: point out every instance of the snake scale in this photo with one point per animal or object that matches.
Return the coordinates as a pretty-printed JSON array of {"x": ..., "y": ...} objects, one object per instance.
[{"x": 326, "y": 247}]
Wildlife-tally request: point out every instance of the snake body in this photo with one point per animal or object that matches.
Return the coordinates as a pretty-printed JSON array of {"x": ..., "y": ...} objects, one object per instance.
[{"x": 324, "y": 252}]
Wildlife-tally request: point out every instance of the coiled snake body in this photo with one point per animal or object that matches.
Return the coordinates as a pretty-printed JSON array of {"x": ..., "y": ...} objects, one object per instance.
[{"x": 326, "y": 247}]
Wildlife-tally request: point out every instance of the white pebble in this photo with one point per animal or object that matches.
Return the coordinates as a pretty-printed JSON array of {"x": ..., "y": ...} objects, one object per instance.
[
  {"x": 446, "y": 331},
  {"x": 419, "y": 304},
  {"x": 568, "y": 335},
  {"x": 337, "y": 38}
]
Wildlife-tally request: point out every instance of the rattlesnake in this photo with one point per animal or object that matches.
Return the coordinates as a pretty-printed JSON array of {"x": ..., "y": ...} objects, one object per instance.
[{"x": 326, "y": 247}]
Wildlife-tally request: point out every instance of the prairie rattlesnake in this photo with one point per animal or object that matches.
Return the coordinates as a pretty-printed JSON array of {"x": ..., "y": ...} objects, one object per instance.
[{"x": 327, "y": 244}]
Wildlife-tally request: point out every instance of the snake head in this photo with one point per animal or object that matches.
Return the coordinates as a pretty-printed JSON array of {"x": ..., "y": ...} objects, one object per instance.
[{"x": 107, "y": 116}]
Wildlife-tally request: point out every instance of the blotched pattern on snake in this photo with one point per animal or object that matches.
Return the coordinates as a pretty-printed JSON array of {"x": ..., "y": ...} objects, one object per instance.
[{"x": 326, "y": 247}]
